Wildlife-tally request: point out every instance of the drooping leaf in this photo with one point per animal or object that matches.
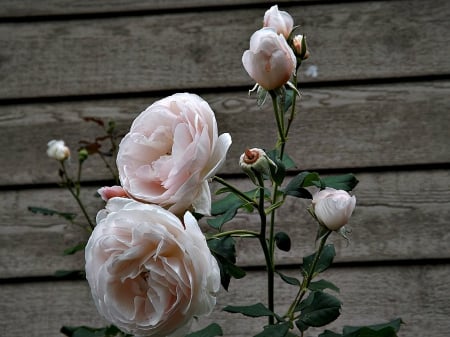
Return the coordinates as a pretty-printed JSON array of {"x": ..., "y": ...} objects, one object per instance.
[
  {"x": 254, "y": 310},
  {"x": 85, "y": 331},
  {"x": 288, "y": 99},
  {"x": 321, "y": 309},
  {"x": 276, "y": 330},
  {"x": 74, "y": 249},
  {"x": 287, "y": 161},
  {"x": 47, "y": 211},
  {"x": 211, "y": 330},
  {"x": 283, "y": 241},
  {"x": 346, "y": 182},
  {"x": 223, "y": 249},
  {"x": 277, "y": 172},
  {"x": 322, "y": 285},
  {"x": 220, "y": 220},
  {"x": 324, "y": 262},
  {"x": 289, "y": 279},
  {"x": 394, "y": 324}
]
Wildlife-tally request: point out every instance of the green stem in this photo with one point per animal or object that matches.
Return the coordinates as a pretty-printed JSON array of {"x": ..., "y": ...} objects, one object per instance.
[
  {"x": 235, "y": 232},
  {"x": 235, "y": 190},
  {"x": 308, "y": 278},
  {"x": 267, "y": 254},
  {"x": 76, "y": 194},
  {"x": 279, "y": 118}
]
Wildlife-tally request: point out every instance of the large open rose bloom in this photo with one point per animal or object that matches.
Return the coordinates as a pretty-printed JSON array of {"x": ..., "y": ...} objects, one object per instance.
[
  {"x": 171, "y": 150},
  {"x": 269, "y": 61},
  {"x": 148, "y": 274}
]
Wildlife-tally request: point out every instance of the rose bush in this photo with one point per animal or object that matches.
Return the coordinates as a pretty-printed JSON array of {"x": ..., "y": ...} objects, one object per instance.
[
  {"x": 333, "y": 208},
  {"x": 150, "y": 273},
  {"x": 171, "y": 150},
  {"x": 269, "y": 61},
  {"x": 281, "y": 21}
]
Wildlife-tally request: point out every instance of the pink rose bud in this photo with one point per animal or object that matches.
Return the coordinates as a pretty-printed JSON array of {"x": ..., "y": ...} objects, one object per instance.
[
  {"x": 269, "y": 61},
  {"x": 109, "y": 192},
  {"x": 281, "y": 21},
  {"x": 298, "y": 41},
  {"x": 57, "y": 149},
  {"x": 333, "y": 208}
]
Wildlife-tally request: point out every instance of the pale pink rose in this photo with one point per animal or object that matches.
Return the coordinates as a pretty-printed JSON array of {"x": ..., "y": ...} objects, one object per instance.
[
  {"x": 149, "y": 273},
  {"x": 333, "y": 207},
  {"x": 108, "y": 192},
  {"x": 269, "y": 61},
  {"x": 58, "y": 150},
  {"x": 172, "y": 148},
  {"x": 281, "y": 21}
]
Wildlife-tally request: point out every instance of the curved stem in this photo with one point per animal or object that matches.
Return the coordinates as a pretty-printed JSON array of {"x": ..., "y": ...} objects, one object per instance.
[
  {"x": 279, "y": 118},
  {"x": 235, "y": 232},
  {"x": 309, "y": 276},
  {"x": 235, "y": 190},
  {"x": 76, "y": 194}
]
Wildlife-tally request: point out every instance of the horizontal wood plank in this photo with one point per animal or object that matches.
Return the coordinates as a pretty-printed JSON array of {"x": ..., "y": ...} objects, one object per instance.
[
  {"x": 369, "y": 295},
  {"x": 337, "y": 127},
  {"x": 355, "y": 40},
  {"x": 398, "y": 215},
  {"x": 29, "y": 8}
]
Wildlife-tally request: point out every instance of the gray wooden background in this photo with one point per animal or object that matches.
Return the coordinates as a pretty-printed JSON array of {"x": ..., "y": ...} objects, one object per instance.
[{"x": 378, "y": 106}]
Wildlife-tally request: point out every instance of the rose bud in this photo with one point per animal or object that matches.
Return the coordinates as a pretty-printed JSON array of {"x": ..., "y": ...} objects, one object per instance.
[
  {"x": 299, "y": 41},
  {"x": 333, "y": 208},
  {"x": 269, "y": 61},
  {"x": 57, "y": 149},
  {"x": 255, "y": 161},
  {"x": 281, "y": 21}
]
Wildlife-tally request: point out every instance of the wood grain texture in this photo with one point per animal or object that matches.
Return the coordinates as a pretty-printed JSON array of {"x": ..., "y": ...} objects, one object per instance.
[
  {"x": 29, "y": 8},
  {"x": 337, "y": 127},
  {"x": 369, "y": 295},
  {"x": 398, "y": 215},
  {"x": 360, "y": 40}
]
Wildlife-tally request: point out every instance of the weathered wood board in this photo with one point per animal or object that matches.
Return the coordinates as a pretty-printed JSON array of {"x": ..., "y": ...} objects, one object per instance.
[
  {"x": 398, "y": 215},
  {"x": 358, "y": 41},
  {"x": 417, "y": 294},
  {"x": 350, "y": 127}
]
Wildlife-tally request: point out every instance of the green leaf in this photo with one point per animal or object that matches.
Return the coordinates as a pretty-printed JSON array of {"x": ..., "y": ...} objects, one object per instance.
[
  {"x": 70, "y": 274},
  {"x": 346, "y": 182},
  {"x": 221, "y": 206},
  {"x": 288, "y": 279},
  {"x": 322, "y": 285},
  {"x": 325, "y": 260},
  {"x": 296, "y": 187},
  {"x": 223, "y": 249},
  {"x": 277, "y": 172},
  {"x": 74, "y": 249},
  {"x": 287, "y": 161},
  {"x": 220, "y": 220},
  {"x": 321, "y": 310},
  {"x": 283, "y": 241},
  {"x": 48, "y": 211},
  {"x": 288, "y": 99},
  {"x": 85, "y": 331},
  {"x": 394, "y": 324},
  {"x": 255, "y": 310},
  {"x": 328, "y": 333},
  {"x": 276, "y": 330},
  {"x": 211, "y": 330}
]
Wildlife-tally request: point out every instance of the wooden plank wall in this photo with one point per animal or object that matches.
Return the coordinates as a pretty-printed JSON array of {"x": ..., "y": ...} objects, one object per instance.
[{"x": 377, "y": 106}]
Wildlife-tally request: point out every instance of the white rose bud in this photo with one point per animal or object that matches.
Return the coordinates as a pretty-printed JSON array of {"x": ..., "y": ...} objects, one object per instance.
[
  {"x": 281, "y": 21},
  {"x": 298, "y": 41},
  {"x": 333, "y": 208},
  {"x": 56, "y": 149},
  {"x": 255, "y": 161}
]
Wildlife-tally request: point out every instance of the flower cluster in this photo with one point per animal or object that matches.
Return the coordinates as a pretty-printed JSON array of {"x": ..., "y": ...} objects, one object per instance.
[{"x": 150, "y": 268}]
